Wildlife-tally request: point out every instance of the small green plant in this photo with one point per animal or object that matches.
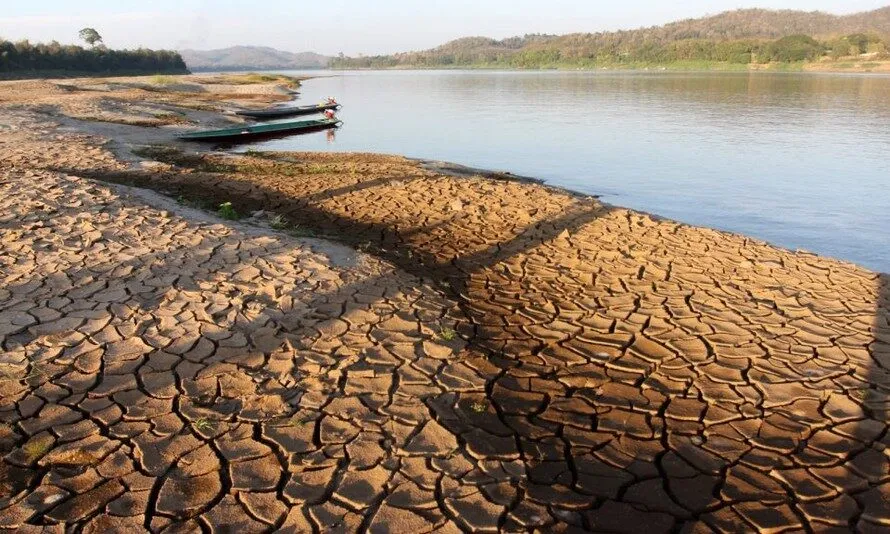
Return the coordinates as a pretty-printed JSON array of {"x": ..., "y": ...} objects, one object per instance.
[
  {"x": 298, "y": 421},
  {"x": 197, "y": 204},
  {"x": 162, "y": 80},
  {"x": 172, "y": 118},
  {"x": 479, "y": 406},
  {"x": 226, "y": 211},
  {"x": 278, "y": 222},
  {"x": 300, "y": 231},
  {"x": 447, "y": 334},
  {"x": 36, "y": 448},
  {"x": 202, "y": 424}
]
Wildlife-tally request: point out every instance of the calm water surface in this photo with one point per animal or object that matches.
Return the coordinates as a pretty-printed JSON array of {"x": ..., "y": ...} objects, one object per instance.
[{"x": 800, "y": 160}]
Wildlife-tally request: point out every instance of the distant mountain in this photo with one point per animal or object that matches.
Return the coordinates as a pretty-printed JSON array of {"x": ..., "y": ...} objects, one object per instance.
[
  {"x": 735, "y": 36},
  {"x": 251, "y": 58}
]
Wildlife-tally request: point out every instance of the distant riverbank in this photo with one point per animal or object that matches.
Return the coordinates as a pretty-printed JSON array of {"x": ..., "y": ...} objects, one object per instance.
[{"x": 850, "y": 66}]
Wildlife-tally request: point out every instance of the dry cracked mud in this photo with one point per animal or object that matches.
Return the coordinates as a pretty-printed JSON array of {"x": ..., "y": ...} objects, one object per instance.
[{"x": 510, "y": 357}]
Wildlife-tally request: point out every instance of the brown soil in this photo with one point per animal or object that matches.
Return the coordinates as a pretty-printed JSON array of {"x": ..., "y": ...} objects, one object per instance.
[{"x": 510, "y": 357}]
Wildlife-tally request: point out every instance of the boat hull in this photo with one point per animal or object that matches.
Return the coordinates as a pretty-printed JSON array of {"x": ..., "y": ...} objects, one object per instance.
[
  {"x": 287, "y": 112},
  {"x": 257, "y": 131}
]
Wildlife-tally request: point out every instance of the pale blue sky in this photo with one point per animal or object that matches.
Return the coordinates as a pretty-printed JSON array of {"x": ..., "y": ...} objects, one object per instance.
[{"x": 353, "y": 26}]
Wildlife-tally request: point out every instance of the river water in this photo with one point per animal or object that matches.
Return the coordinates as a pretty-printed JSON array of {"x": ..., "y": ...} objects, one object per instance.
[{"x": 799, "y": 160}]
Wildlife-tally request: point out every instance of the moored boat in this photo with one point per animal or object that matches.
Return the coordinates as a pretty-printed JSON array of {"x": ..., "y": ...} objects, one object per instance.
[
  {"x": 252, "y": 131},
  {"x": 288, "y": 111}
]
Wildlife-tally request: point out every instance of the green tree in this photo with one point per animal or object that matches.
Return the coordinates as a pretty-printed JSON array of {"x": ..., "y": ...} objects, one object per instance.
[
  {"x": 860, "y": 41},
  {"x": 794, "y": 48},
  {"x": 25, "y": 57},
  {"x": 90, "y": 36}
]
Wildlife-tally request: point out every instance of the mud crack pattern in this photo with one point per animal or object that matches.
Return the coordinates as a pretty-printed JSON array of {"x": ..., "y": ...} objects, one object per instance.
[{"x": 520, "y": 359}]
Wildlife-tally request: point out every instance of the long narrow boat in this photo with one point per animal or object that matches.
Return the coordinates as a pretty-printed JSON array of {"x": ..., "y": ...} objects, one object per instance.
[
  {"x": 287, "y": 111},
  {"x": 253, "y": 131}
]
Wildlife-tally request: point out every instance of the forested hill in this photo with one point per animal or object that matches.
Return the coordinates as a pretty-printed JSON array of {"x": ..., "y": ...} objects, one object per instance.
[
  {"x": 23, "y": 59},
  {"x": 766, "y": 23},
  {"x": 251, "y": 58},
  {"x": 740, "y": 37}
]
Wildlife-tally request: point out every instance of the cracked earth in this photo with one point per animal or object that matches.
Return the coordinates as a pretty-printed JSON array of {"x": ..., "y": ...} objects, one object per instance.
[{"x": 500, "y": 355}]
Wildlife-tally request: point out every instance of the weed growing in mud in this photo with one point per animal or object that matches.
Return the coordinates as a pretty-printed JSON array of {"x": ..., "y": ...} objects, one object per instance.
[
  {"x": 319, "y": 168},
  {"x": 201, "y": 204},
  {"x": 447, "y": 334},
  {"x": 479, "y": 407},
  {"x": 35, "y": 372},
  {"x": 300, "y": 231},
  {"x": 227, "y": 212},
  {"x": 202, "y": 424},
  {"x": 278, "y": 222},
  {"x": 253, "y": 77},
  {"x": 296, "y": 421},
  {"x": 35, "y": 449},
  {"x": 162, "y": 80},
  {"x": 172, "y": 118}
]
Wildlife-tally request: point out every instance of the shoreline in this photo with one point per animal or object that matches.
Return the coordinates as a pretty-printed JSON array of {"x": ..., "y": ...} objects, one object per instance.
[
  {"x": 286, "y": 91},
  {"x": 355, "y": 341},
  {"x": 458, "y": 169},
  {"x": 880, "y": 67}
]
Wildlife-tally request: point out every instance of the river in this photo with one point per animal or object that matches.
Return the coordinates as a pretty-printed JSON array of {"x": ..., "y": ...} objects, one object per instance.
[{"x": 799, "y": 160}]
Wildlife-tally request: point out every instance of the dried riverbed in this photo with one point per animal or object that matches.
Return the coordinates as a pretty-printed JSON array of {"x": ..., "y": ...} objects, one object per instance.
[{"x": 489, "y": 354}]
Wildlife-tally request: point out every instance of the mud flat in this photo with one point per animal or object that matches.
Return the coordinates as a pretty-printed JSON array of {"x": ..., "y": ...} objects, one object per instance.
[{"x": 483, "y": 354}]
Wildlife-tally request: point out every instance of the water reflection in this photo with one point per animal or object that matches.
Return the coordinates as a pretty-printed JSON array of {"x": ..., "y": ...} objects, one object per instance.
[{"x": 799, "y": 160}]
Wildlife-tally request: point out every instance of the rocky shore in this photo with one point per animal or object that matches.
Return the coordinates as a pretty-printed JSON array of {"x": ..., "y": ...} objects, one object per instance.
[{"x": 369, "y": 343}]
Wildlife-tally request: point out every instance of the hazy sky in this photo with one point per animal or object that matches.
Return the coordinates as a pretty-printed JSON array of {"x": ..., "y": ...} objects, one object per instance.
[{"x": 352, "y": 26}]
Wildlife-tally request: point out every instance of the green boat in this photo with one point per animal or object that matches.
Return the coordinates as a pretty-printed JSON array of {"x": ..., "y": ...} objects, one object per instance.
[{"x": 253, "y": 131}]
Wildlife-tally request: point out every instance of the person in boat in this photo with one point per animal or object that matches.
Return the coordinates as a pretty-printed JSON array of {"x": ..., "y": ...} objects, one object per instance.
[{"x": 329, "y": 114}]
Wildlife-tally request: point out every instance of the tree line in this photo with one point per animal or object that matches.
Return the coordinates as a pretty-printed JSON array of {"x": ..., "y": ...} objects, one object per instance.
[
  {"x": 589, "y": 50},
  {"x": 23, "y": 58}
]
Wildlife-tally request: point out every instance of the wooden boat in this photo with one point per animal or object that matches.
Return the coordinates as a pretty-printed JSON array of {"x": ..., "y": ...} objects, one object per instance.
[
  {"x": 288, "y": 111},
  {"x": 252, "y": 131}
]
